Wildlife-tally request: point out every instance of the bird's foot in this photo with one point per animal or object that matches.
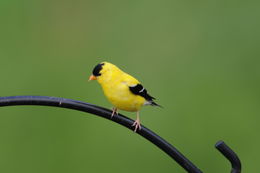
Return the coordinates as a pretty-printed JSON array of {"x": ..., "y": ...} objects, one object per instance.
[
  {"x": 114, "y": 112},
  {"x": 137, "y": 125}
]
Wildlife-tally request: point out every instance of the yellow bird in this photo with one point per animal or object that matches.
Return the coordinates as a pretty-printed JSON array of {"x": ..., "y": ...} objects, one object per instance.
[{"x": 122, "y": 90}]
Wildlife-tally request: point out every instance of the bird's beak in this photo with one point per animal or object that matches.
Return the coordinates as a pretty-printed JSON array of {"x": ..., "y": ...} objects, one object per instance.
[{"x": 92, "y": 77}]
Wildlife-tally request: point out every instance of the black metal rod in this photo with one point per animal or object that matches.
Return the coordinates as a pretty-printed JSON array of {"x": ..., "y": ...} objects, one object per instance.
[
  {"x": 230, "y": 155},
  {"x": 105, "y": 113}
]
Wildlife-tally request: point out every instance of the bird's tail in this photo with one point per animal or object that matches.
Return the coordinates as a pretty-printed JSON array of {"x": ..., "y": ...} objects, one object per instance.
[{"x": 155, "y": 104}]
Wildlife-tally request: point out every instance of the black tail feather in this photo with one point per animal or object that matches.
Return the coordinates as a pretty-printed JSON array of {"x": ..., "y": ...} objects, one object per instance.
[{"x": 155, "y": 104}]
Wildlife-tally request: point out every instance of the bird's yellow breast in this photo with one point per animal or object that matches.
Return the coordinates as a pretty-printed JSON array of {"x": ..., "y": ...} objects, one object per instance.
[{"x": 116, "y": 88}]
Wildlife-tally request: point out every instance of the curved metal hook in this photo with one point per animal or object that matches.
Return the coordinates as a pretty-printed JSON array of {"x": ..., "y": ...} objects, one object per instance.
[
  {"x": 105, "y": 113},
  {"x": 230, "y": 155}
]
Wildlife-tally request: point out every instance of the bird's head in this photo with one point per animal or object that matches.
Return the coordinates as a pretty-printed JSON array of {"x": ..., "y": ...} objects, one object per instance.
[
  {"x": 96, "y": 72},
  {"x": 102, "y": 71}
]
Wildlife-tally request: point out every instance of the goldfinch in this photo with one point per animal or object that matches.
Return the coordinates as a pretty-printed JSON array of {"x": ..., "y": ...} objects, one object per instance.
[{"x": 122, "y": 90}]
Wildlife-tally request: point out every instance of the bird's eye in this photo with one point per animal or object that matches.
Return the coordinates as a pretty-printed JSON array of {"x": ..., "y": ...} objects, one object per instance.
[{"x": 97, "y": 69}]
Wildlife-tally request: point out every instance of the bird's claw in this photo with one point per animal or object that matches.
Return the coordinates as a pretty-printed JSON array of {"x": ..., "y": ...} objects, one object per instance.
[
  {"x": 114, "y": 112},
  {"x": 137, "y": 125}
]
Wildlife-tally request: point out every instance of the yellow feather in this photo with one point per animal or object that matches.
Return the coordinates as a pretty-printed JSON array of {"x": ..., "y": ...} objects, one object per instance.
[{"x": 115, "y": 84}]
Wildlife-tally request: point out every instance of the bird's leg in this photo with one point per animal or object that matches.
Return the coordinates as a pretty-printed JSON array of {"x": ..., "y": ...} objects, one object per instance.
[
  {"x": 114, "y": 112},
  {"x": 137, "y": 123}
]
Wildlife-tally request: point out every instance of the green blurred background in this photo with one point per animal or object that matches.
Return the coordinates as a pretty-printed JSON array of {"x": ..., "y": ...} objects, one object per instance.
[{"x": 200, "y": 59}]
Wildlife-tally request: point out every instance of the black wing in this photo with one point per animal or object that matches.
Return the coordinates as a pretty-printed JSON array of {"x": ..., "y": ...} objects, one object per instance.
[{"x": 141, "y": 91}]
